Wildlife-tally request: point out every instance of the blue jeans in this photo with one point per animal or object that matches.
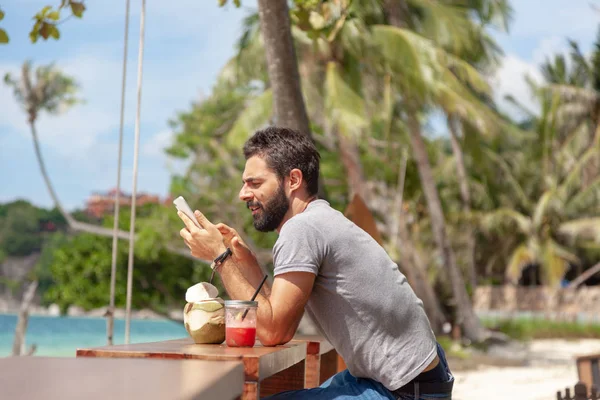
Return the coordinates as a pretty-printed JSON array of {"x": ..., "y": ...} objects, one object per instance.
[{"x": 344, "y": 386}]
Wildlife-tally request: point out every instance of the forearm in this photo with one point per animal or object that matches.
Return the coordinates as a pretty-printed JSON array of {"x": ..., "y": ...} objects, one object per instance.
[{"x": 254, "y": 274}]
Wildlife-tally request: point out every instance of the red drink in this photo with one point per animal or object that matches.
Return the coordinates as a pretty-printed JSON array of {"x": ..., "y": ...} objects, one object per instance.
[{"x": 240, "y": 337}]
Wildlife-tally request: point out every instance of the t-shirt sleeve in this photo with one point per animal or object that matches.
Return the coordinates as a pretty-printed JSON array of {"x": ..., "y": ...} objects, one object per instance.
[{"x": 299, "y": 248}]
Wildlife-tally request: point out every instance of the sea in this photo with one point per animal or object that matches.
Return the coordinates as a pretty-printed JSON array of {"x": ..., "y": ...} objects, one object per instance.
[{"x": 62, "y": 336}]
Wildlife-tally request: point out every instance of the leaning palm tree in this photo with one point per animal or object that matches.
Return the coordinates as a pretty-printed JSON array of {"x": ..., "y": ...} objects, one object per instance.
[
  {"x": 482, "y": 52},
  {"x": 47, "y": 89},
  {"x": 426, "y": 75},
  {"x": 344, "y": 109},
  {"x": 330, "y": 51}
]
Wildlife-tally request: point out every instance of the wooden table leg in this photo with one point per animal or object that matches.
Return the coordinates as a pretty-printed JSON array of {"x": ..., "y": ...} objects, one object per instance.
[
  {"x": 313, "y": 371},
  {"x": 251, "y": 391},
  {"x": 328, "y": 366},
  {"x": 291, "y": 378}
]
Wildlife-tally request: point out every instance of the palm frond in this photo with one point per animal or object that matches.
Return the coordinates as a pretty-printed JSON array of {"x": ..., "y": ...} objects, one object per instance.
[
  {"x": 555, "y": 262},
  {"x": 410, "y": 57},
  {"x": 520, "y": 106},
  {"x": 511, "y": 180},
  {"x": 520, "y": 258},
  {"x": 345, "y": 107},
  {"x": 502, "y": 218},
  {"x": 498, "y": 13},
  {"x": 254, "y": 116},
  {"x": 584, "y": 199},
  {"x": 448, "y": 25},
  {"x": 569, "y": 93},
  {"x": 44, "y": 89},
  {"x": 583, "y": 228},
  {"x": 541, "y": 208},
  {"x": 570, "y": 181}
]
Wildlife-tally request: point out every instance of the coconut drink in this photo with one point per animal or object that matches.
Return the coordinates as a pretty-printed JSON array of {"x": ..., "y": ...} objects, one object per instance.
[{"x": 204, "y": 314}]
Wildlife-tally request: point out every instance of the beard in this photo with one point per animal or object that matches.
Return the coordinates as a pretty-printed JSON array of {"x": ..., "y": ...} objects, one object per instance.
[{"x": 270, "y": 214}]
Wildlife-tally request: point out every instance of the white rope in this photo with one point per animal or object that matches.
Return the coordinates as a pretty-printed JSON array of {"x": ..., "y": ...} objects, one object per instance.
[
  {"x": 135, "y": 168},
  {"x": 115, "y": 242}
]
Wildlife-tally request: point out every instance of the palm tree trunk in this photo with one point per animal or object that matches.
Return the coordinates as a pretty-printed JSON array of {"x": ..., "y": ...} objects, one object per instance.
[
  {"x": 288, "y": 103},
  {"x": 465, "y": 316},
  {"x": 23, "y": 319},
  {"x": 465, "y": 196},
  {"x": 397, "y": 12},
  {"x": 72, "y": 222},
  {"x": 402, "y": 247},
  {"x": 421, "y": 284},
  {"x": 584, "y": 276},
  {"x": 351, "y": 159},
  {"x": 282, "y": 65}
]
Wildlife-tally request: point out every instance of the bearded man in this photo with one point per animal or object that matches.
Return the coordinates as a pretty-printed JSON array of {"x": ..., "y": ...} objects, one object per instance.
[{"x": 325, "y": 265}]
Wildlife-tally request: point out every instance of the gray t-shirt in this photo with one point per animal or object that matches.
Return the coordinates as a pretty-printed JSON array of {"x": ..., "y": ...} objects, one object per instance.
[{"x": 360, "y": 301}]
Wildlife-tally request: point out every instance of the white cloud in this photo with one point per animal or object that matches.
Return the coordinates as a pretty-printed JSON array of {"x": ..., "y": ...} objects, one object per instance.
[
  {"x": 156, "y": 144},
  {"x": 510, "y": 80},
  {"x": 548, "y": 47}
]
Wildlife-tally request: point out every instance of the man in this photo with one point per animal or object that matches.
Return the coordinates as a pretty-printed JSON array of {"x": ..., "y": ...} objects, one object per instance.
[{"x": 328, "y": 266}]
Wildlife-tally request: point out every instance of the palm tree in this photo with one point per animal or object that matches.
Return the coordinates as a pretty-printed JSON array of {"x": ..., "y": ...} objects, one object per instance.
[
  {"x": 543, "y": 197},
  {"x": 576, "y": 80},
  {"x": 47, "y": 89},
  {"x": 342, "y": 97},
  {"x": 483, "y": 52},
  {"x": 289, "y": 108},
  {"x": 552, "y": 223},
  {"x": 426, "y": 74}
]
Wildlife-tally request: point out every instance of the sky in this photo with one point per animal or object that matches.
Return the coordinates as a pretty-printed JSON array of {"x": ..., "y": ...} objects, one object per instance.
[{"x": 187, "y": 42}]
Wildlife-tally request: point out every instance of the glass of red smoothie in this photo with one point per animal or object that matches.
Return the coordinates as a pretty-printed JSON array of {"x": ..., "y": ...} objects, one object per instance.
[{"x": 240, "y": 323}]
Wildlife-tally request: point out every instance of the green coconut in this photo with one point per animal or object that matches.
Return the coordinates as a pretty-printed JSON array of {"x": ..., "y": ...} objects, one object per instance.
[{"x": 205, "y": 321}]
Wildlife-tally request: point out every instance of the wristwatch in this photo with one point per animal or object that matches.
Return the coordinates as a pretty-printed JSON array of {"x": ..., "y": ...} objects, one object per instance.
[{"x": 218, "y": 261}]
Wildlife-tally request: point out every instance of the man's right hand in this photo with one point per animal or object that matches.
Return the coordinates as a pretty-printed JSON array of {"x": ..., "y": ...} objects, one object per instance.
[{"x": 241, "y": 253}]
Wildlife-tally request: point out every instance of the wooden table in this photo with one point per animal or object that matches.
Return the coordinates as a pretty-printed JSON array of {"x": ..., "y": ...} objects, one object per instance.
[
  {"x": 322, "y": 360},
  {"x": 48, "y": 378},
  {"x": 267, "y": 370}
]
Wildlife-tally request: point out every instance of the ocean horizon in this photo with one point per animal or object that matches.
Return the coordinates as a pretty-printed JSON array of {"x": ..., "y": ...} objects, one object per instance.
[{"x": 62, "y": 336}]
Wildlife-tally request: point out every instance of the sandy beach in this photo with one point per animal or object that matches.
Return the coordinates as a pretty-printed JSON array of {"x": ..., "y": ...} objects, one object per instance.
[{"x": 550, "y": 366}]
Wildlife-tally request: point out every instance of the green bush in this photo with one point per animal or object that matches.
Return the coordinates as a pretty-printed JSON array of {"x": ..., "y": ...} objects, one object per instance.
[{"x": 537, "y": 328}]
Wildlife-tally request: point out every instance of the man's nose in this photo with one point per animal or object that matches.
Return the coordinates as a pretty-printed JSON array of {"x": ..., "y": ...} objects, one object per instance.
[{"x": 245, "y": 195}]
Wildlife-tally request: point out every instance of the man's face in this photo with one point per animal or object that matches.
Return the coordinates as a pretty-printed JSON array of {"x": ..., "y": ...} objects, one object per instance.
[{"x": 264, "y": 195}]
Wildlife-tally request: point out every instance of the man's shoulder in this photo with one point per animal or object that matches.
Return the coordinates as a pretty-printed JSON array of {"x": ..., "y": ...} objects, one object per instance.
[{"x": 309, "y": 220}]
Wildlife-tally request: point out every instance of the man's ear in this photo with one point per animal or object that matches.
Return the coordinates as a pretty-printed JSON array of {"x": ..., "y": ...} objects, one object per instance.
[{"x": 295, "y": 179}]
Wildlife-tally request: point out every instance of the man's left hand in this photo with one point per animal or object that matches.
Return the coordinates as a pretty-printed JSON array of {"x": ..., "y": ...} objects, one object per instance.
[{"x": 205, "y": 244}]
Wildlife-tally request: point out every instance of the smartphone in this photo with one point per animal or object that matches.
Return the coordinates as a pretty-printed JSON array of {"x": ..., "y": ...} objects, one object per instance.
[{"x": 183, "y": 206}]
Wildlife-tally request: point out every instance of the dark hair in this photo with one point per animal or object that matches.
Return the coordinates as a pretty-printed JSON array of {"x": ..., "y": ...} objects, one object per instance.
[{"x": 285, "y": 149}]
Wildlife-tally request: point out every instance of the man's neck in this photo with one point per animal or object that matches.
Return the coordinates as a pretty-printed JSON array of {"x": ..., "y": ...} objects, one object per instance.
[{"x": 297, "y": 206}]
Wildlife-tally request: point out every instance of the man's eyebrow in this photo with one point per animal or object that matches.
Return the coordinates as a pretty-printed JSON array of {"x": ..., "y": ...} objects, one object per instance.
[{"x": 250, "y": 179}]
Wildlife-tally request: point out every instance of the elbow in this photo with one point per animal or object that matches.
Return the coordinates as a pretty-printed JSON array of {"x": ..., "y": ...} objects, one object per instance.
[{"x": 270, "y": 339}]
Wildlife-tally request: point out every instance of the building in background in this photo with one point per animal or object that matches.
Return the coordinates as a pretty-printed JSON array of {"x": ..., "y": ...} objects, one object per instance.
[{"x": 100, "y": 204}]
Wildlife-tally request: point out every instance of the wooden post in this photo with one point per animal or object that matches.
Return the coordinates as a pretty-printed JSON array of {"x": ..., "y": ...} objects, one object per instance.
[
  {"x": 588, "y": 369},
  {"x": 580, "y": 391}
]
